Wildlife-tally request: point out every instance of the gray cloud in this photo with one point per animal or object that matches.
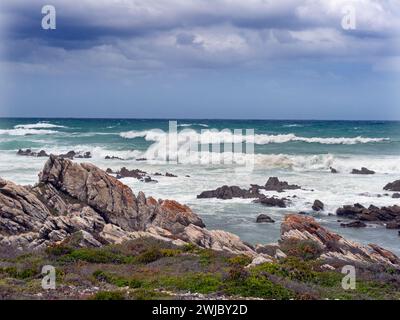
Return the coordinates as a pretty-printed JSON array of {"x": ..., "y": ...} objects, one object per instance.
[{"x": 153, "y": 34}]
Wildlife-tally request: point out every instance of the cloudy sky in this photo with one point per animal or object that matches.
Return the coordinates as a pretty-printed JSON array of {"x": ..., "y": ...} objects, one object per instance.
[{"x": 286, "y": 59}]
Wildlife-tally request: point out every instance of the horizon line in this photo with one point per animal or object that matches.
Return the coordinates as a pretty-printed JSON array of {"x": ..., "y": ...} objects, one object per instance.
[{"x": 179, "y": 118}]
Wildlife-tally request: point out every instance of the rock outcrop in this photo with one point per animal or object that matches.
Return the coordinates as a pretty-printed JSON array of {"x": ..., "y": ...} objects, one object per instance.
[
  {"x": 393, "y": 186},
  {"x": 333, "y": 248},
  {"x": 82, "y": 199},
  {"x": 388, "y": 215},
  {"x": 81, "y": 202}
]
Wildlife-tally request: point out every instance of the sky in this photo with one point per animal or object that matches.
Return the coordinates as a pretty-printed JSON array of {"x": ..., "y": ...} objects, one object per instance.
[{"x": 231, "y": 59}]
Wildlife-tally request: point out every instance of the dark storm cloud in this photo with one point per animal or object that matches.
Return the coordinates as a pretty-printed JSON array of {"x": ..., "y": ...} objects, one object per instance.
[{"x": 198, "y": 32}]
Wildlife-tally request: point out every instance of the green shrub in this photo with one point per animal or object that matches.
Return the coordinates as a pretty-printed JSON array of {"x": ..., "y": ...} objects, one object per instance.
[
  {"x": 58, "y": 250},
  {"x": 189, "y": 247},
  {"x": 117, "y": 280},
  {"x": 147, "y": 294},
  {"x": 96, "y": 255},
  {"x": 109, "y": 295},
  {"x": 303, "y": 249},
  {"x": 13, "y": 272},
  {"x": 150, "y": 255},
  {"x": 258, "y": 286},
  {"x": 237, "y": 273},
  {"x": 170, "y": 252},
  {"x": 199, "y": 282},
  {"x": 241, "y": 260}
]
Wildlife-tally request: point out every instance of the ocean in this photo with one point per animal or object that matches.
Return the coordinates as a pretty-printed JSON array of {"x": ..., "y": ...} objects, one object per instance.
[{"x": 300, "y": 152}]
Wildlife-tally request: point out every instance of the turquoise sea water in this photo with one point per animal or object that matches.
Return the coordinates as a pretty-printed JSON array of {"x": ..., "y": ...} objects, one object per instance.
[{"x": 300, "y": 152}]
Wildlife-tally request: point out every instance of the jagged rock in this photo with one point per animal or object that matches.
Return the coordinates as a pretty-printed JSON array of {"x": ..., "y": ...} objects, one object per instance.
[
  {"x": 85, "y": 204},
  {"x": 371, "y": 214},
  {"x": 334, "y": 247},
  {"x": 271, "y": 201},
  {"x": 354, "y": 224},
  {"x": 264, "y": 218},
  {"x": 396, "y": 195},
  {"x": 362, "y": 171},
  {"x": 273, "y": 184},
  {"x": 318, "y": 205},
  {"x": 20, "y": 210},
  {"x": 393, "y": 186},
  {"x": 228, "y": 192}
]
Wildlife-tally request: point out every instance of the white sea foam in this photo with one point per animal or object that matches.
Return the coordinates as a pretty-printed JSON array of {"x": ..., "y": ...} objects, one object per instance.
[
  {"x": 209, "y": 136},
  {"x": 193, "y": 124},
  {"x": 25, "y": 132},
  {"x": 39, "y": 125},
  {"x": 293, "y": 125}
]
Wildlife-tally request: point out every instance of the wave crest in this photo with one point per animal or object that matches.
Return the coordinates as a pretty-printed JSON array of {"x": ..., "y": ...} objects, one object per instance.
[{"x": 226, "y": 136}]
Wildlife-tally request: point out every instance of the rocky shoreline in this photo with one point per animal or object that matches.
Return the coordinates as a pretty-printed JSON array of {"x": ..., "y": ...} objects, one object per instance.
[{"x": 82, "y": 206}]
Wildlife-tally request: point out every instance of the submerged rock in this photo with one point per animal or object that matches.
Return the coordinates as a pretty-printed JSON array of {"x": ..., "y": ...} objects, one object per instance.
[
  {"x": 263, "y": 218},
  {"x": 271, "y": 201},
  {"x": 354, "y": 224}
]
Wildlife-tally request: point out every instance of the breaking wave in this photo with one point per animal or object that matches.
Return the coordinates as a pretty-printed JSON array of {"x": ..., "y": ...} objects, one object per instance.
[
  {"x": 39, "y": 125},
  {"x": 25, "y": 132},
  {"x": 209, "y": 136}
]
